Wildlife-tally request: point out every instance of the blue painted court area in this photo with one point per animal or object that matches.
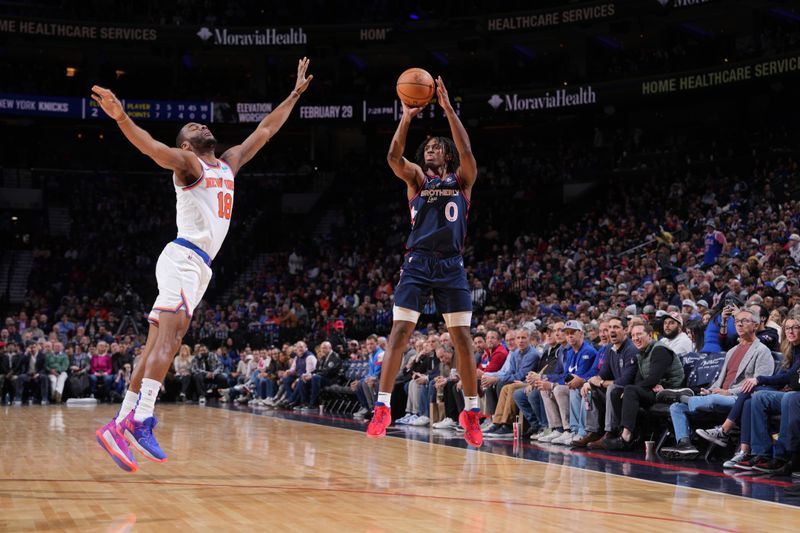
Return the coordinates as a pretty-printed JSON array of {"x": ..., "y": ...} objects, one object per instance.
[{"x": 698, "y": 474}]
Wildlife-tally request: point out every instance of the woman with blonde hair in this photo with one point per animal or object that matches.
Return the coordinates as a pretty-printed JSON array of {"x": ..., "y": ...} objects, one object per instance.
[{"x": 183, "y": 369}]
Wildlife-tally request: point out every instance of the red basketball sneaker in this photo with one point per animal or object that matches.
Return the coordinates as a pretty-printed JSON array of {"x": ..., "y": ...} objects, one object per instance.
[
  {"x": 381, "y": 419},
  {"x": 471, "y": 422}
]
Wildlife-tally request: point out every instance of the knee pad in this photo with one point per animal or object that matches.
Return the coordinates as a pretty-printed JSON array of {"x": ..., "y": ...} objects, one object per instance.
[
  {"x": 405, "y": 314},
  {"x": 460, "y": 319}
]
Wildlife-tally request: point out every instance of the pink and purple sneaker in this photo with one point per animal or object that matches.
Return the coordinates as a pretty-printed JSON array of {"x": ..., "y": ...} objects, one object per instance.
[{"x": 111, "y": 439}]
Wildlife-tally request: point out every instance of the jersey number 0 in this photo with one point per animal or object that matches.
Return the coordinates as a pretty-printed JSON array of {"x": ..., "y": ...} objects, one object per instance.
[
  {"x": 225, "y": 204},
  {"x": 451, "y": 211}
]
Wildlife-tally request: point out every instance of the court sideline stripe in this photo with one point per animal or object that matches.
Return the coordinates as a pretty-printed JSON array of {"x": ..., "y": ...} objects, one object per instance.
[{"x": 375, "y": 493}]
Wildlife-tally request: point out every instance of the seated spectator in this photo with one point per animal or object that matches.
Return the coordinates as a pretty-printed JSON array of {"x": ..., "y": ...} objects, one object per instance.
[
  {"x": 79, "y": 365},
  {"x": 325, "y": 374},
  {"x": 239, "y": 373},
  {"x": 443, "y": 372},
  {"x": 521, "y": 361},
  {"x": 182, "y": 364},
  {"x": 271, "y": 368},
  {"x": 10, "y": 364},
  {"x": 400, "y": 388},
  {"x": 492, "y": 360},
  {"x": 303, "y": 384},
  {"x": 245, "y": 388},
  {"x": 207, "y": 372},
  {"x": 691, "y": 310},
  {"x": 286, "y": 377},
  {"x": 674, "y": 337},
  {"x": 35, "y": 331},
  {"x": 587, "y": 366},
  {"x": 452, "y": 393},
  {"x": 748, "y": 359},
  {"x": 120, "y": 355},
  {"x": 262, "y": 367},
  {"x": 121, "y": 382},
  {"x": 768, "y": 335},
  {"x": 223, "y": 355},
  {"x": 366, "y": 389},
  {"x": 57, "y": 364},
  {"x": 33, "y": 375},
  {"x": 240, "y": 380},
  {"x": 529, "y": 399},
  {"x": 417, "y": 369},
  {"x": 304, "y": 363},
  {"x": 100, "y": 369},
  {"x": 617, "y": 371},
  {"x": 658, "y": 368},
  {"x": 741, "y": 415},
  {"x": 696, "y": 332},
  {"x": 558, "y": 388},
  {"x": 720, "y": 324}
]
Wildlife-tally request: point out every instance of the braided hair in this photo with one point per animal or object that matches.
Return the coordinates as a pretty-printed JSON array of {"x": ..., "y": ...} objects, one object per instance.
[{"x": 451, "y": 157}]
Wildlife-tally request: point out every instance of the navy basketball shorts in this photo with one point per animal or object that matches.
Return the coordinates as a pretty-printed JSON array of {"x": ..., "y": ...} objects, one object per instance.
[{"x": 422, "y": 273}]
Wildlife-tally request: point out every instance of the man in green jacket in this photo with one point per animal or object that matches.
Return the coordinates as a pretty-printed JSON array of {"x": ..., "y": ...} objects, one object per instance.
[
  {"x": 659, "y": 368},
  {"x": 56, "y": 364}
]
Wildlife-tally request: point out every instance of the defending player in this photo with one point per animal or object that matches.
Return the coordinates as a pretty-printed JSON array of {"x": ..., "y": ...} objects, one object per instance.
[
  {"x": 438, "y": 188},
  {"x": 204, "y": 186}
]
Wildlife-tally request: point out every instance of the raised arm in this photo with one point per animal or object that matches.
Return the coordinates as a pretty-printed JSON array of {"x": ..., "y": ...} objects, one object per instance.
[
  {"x": 468, "y": 170},
  {"x": 404, "y": 169},
  {"x": 237, "y": 156},
  {"x": 182, "y": 162}
]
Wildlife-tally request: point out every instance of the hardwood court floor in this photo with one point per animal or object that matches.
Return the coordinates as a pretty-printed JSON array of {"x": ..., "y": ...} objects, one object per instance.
[{"x": 233, "y": 471}]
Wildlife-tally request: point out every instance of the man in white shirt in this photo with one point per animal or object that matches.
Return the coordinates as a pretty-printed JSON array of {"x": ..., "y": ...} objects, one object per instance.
[{"x": 674, "y": 336}]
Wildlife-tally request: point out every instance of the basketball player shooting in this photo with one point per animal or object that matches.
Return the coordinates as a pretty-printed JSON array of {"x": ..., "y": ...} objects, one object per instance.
[
  {"x": 438, "y": 187},
  {"x": 204, "y": 187}
]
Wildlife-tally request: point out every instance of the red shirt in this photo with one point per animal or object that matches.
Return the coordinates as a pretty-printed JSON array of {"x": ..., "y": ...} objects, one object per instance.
[
  {"x": 733, "y": 365},
  {"x": 492, "y": 361}
]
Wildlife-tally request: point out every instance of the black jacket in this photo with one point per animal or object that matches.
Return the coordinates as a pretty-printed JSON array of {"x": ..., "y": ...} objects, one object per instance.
[
  {"x": 548, "y": 362},
  {"x": 329, "y": 367},
  {"x": 424, "y": 365},
  {"x": 13, "y": 366},
  {"x": 119, "y": 359},
  {"x": 41, "y": 360},
  {"x": 620, "y": 366}
]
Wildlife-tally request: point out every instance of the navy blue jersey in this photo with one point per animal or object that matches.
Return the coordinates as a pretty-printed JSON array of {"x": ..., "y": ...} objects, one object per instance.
[{"x": 439, "y": 217}]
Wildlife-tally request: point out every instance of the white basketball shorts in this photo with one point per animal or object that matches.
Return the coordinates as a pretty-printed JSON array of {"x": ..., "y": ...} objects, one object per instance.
[{"x": 182, "y": 278}]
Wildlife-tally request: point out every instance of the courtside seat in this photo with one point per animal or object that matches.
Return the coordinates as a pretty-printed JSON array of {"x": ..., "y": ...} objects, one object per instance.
[
  {"x": 339, "y": 397},
  {"x": 699, "y": 370}
]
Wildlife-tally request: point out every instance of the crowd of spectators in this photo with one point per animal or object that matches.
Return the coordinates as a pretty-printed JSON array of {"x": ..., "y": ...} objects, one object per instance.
[{"x": 575, "y": 384}]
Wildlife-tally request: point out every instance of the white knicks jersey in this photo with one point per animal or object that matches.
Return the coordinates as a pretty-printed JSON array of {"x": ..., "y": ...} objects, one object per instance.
[{"x": 203, "y": 209}]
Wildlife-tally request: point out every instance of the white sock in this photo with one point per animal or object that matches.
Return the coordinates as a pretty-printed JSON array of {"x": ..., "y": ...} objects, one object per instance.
[
  {"x": 147, "y": 399},
  {"x": 128, "y": 404},
  {"x": 471, "y": 403},
  {"x": 385, "y": 398}
]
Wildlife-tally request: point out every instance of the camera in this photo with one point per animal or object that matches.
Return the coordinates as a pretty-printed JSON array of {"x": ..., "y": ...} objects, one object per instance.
[{"x": 129, "y": 300}]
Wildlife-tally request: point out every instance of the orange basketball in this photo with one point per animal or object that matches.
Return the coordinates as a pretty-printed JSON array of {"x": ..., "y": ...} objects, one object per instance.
[{"x": 415, "y": 87}]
